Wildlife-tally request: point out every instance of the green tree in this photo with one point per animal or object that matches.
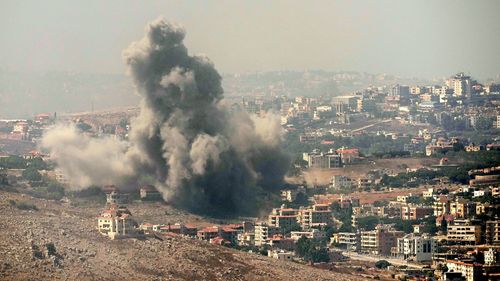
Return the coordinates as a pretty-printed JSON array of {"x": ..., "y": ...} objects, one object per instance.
[
  {"x": 368, "y": 223},
  {"x": 31, "y": 174},
  {"x": 382, "y": 264}
]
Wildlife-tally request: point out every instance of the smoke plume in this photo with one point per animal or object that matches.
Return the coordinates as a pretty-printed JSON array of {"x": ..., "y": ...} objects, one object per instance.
[{"x": 202, "y": 156}]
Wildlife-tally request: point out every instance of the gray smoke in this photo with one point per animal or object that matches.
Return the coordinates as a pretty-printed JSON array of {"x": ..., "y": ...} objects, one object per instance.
[{"x": 202, "y": 156}]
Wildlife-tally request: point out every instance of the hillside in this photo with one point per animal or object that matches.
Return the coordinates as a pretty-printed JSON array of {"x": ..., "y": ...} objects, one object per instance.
[{"x": 83, "y": 254}]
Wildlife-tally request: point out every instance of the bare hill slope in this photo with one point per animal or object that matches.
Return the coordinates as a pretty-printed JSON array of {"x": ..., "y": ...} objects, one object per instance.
[{"x": 83, "y": 254}]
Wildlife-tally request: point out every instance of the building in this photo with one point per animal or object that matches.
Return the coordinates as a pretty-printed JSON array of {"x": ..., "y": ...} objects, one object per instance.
[
  {"x": 472, "y": 148},
  {"x": 315, "y": 216},
  {"x": 310, "y": 234},
  {"x": 291, "y": 194},
  {"x": 279, "y": 242},
  {"x": 219, "y": 235},
  {"x": 149, "y": 193},
  {"x": 462, "y": 208},
  {"x": 339, "y": 182},
  {"x": 493, "y": 232},
  {"x": 428, "y": 193},
  {"x": 348, "y": 155},
  {"x": 280, "y": 254},
  {"x": 263, "y": 232},
  {"x": 178, "y": 228},
  {"x": 350, "y": 240},
  {"x": 246, "y": 239},
  {"x": 490, "y": 257},
  {"x": 469, "y": 271},
  {"x": 413, "y": 212},
  {"x": 380, "y": 241},
  {"x": 464, "y": 232},
  {"x": 317, "y": 159},
  {"x": 116, "y": 222},
  {"x": 343, "y": 104},
  {"x": 441, "y": 206},
  {"x": 114, "y": 196},
  {"x": 461, "y": 85},
  {"x": 417, "y": 248},
  {"x": 284, "y": 218},
  {"x": 402, "y": 93}
]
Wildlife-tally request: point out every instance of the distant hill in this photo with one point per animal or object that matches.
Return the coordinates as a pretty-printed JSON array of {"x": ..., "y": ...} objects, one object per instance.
[{"x": 24, "y": 94}]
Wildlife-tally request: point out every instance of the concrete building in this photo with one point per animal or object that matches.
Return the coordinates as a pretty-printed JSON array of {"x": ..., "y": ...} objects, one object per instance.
[
  {"x": 464, "y": 232},
  {"x": 263, "y": 232},
  {"x": 402, "y": 93},
  {"x": 348, "y": 155},
  {"x": 380, "y": 241},
  {"x": 317, "y": 159},
  {"x": 417, "y": 248},
  {"x": 462, "y": 208},
  {"x": 149, "y": 193},
  {"x": 469, "y": 271},
  {"x": 350, "y": 240},
  {"x": 315, "y": 216},
  {"x": 310, "y": 234},
  {"x": 413, "y": 212},
  {"x": 441, "y": 206},
  {"x": 246, "y": 239},
  {"x": 339, "y": 182},
  {"x": 280, "y": 254},
  {"x": 490, "y": 257},
  {"x": 493, "y": 232},
  {"x": 461, "y": 85},
  {"x": 343, "y": 104},
  {"x": 284, "y": 218},
  {"x": 116, "y": 222}
]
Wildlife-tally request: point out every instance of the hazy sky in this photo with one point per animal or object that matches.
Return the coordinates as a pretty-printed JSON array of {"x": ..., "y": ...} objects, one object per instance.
[{"x": 409, "y": 38}]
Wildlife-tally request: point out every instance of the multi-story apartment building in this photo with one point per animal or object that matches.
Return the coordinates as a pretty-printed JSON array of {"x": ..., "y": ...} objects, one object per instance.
[
  {"x": 318, "y": 159},
  {"x": 462, "y": 208},
  {"x": 380, "y": 241},
  {"x": 284, "y": 218},
  {"x": 493, "y": 232},
  {"x": 317, "y": 215},
  {"x": 418, "y": 248},
  {"x": 263, "y": 232},
  {"x": 414, "y": 212},
  {"x": 441, "y": 206},
  {"x": 469, "y": 271},
  {"x": 464, "y": 232},
  {"x": 340, "y": 182},
  {"x": 461, "y": 85},
  {"x": 350, "y": 240}
]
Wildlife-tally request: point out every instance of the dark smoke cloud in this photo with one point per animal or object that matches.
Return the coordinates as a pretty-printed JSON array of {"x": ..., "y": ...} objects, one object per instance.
[{"x": 202, "y": 157}]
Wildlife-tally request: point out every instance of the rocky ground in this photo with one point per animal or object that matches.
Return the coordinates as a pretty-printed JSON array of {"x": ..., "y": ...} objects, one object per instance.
[{"x": 59, "y": 242}]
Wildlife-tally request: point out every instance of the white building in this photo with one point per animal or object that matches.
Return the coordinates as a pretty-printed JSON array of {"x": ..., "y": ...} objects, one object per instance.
[
  {"x": 350, "y": 240},
  {"x": 263, "y": 232},
  {"x": 280, "y": 254},
  {"x": 428, "y": 193},
  {"x": 461, "y": 85},
  {"x": 417, "y": 248},
  {"x": 490, "y": 257},
  {"x": 311, "y": 234},
  {"x": 317, "y": 159},
  {"x": 481, "y": 193},
  {"x": 117, "y": 223}
]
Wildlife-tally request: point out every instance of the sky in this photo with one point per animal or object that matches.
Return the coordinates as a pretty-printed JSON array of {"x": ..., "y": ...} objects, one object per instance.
[{"x": 424, "y": 38}]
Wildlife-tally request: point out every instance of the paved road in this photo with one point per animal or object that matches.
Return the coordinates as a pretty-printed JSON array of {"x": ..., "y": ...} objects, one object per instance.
[
  {"x": 371, "y": 125},
  {"x": 372, "y": 258}
]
